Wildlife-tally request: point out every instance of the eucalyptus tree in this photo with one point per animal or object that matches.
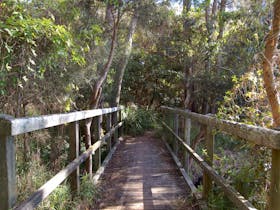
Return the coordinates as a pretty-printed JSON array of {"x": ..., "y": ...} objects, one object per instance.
[{"x": 271, "y": 64}]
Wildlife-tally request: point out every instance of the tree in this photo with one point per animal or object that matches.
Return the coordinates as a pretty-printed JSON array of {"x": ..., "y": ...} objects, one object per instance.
[
  {"x": 118, "y": 78},
  {"x": 273, "y": 97}
]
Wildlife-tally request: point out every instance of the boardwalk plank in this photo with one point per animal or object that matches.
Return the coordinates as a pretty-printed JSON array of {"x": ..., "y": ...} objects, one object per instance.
[{"x": 143, "y": 176}]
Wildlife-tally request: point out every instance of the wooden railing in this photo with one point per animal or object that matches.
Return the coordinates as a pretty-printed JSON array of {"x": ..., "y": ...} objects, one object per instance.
[
  {"x": 11, "y": 127},
  {"x": 257, "y": 135}
]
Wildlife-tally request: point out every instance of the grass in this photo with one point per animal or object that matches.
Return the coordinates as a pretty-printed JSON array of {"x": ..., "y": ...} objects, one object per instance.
[{"x": 38, "y": 169}]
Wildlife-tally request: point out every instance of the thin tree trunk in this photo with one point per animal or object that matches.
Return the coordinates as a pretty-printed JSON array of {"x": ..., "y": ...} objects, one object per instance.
[
  {"x": 96, "y": 91},
  {"x": 273, "y": 97},
  {"x": 268, "y": 76},
  {"x": 97, "y": 88},
  {"x": 118, "y": 78},
  {"x": 221, "y": 23},
  {"x": 188, "y": 59}
]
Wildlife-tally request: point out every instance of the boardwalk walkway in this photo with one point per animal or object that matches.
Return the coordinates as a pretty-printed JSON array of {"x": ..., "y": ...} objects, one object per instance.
[{"x": 142, "y": 175}]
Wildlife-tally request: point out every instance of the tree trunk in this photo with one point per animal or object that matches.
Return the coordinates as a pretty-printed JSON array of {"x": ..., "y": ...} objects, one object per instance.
[
  {"x": 268, "y": 75},
  {"x": 118, "y": 78},
  {"x": 221, "y": 22},
  {"x": 97, "y": 88},
  {"x": 273, "y": 97},
  {"x": 188, "y": 60}
]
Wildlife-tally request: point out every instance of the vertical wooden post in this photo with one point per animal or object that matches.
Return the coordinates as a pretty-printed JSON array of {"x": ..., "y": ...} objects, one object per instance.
[
  {"x": 170, "y": 124},
  {"x": 207, "y": 181},
  {"x": 74, "y": 152},
  {"x": 176, "y": 130},
  {"x": 120, "y": 119},
  {"x": 108, "y": 128},
  {"x": 187, "y": 138},
  {"x": 115, "y": 122},
  {"x": 88, "y": 162},
  {"x": 97, "y": 136},
  {"x": 7, "y": 164},
  {"x": 274, "y": 193}
]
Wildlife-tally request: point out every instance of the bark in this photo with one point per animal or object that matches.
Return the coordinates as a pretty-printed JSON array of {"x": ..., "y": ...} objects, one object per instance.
[
  {"x": 188, "y": 61},
  {"x": 97, "y": 88},
  {"x": 221, "y": 23},
  {"x": 221, "y": 32},
  {"x": 268, "y": 75},
  {"x": 118, "y": 78},
  {"x": 96, "y": 91},
  {"x": 211, "y": 22},
  {"x": 273, "y": 97}
]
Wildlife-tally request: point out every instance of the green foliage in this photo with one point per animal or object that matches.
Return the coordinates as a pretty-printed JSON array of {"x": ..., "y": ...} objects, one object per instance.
[
  {"x": 246, "y": 102},
  {"x": 139, "y": 120},
  {"x": 59, "y": 199},
  {"x": 244, "y": 167},
  {"x": 89, "y": 190},
  {"x": 37, "y": 170}
]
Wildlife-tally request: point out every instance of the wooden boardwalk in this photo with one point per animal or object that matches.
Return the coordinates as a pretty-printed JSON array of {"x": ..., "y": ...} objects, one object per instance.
[{"x": 143, "y": 175}]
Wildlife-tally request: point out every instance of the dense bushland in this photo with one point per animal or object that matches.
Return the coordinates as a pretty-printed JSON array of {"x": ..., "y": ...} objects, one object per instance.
[{"x": 205, "y": 56}]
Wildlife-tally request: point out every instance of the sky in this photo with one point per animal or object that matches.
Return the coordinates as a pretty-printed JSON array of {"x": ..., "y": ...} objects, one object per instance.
[{"x": 177, "y": 6}]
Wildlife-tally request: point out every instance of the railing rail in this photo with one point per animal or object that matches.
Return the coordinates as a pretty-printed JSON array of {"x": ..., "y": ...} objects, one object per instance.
[
  {"x": 10, "y": 127},
  {"x": 258, "y": 135}
]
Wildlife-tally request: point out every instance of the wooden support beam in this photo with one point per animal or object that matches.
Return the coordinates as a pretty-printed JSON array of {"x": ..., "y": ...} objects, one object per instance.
[
  {"x": 187, "y": 138},
  {"x": 120, "y": 119},
  {"x": 108, "y": 128},
  {"x": 207, "y": 181},
  {"x": 274, "y": 193},
  {"x": 114, "y": 123},
  {"x": 7, "y": 164},
  {"x": 176, "y": 130},
  {"x": 88, "y": 163},
  {"x": 74, "y": 152},
  {"x": 97, "y": 137}
]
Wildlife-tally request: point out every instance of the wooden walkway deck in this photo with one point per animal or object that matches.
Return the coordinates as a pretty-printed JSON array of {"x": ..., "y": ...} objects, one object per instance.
[{"x": 143, "y": 175}]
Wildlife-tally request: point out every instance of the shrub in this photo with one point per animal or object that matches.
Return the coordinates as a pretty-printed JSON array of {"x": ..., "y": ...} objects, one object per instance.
[{"x": 139, "y": 120}]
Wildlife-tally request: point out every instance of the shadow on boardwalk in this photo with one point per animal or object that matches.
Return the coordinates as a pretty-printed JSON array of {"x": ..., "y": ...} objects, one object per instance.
[{"x": 142, "y": 175}]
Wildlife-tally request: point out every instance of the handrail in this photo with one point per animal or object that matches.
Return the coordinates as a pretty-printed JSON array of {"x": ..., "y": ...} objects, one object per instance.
[
  {"x": 261, "y": 136},
  {"x": 235, "y": 196},
  {"x": 54, "y": 182},
  {"x": 28, "y": 124},
  {"x": 10, "y": 127},
  {"x": 257, "y": 135}
]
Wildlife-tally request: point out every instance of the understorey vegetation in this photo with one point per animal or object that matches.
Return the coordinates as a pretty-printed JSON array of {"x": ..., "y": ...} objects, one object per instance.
[{"x": 208, "y": 56}]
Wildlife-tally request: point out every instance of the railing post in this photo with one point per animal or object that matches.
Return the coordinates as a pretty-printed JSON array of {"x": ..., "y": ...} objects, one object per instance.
[
  {"x": 176, "y": 130},
  {"x": 115, "y": 122},
  {"x": 207, "y": 181},
  {"x": 187, "y": 138},
  {"x": 170, "y": 124},
  {"x": 120, "y": 119},
  {"x": 97, "y": 136},
  {"x": 88, "y": 162},
  {"x": 274, "y": 192},
  {"x": 74, "y": 152},
  {"x": 108, "y": 128},
  {"x": 7, "y": 164}
]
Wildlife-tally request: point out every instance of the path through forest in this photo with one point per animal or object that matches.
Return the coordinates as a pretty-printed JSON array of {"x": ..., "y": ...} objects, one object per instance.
[{"x": 142, "y": 175}]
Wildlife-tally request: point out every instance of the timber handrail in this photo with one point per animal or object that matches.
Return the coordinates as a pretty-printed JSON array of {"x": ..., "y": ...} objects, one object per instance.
[
  {"x": 258, "y": 135},
  {"x": 255, "y": 134},
  {"x": 10, "y": 127}
]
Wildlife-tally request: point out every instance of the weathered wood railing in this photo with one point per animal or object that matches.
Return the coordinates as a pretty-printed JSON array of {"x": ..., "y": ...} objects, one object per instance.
[
  {"x": 257, "y": 135},
  {"x": 11, "y": 127}
]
